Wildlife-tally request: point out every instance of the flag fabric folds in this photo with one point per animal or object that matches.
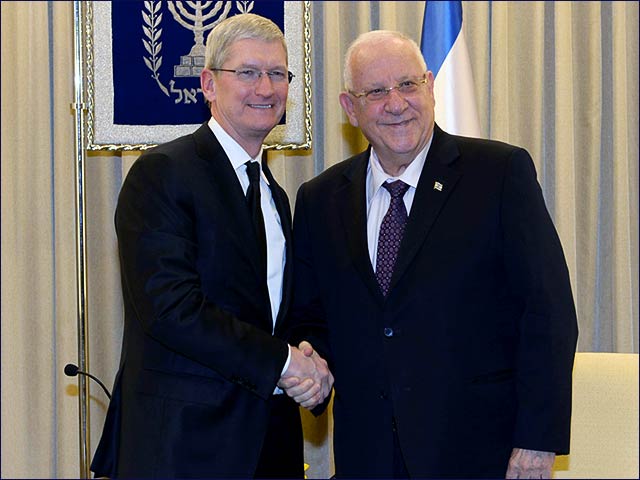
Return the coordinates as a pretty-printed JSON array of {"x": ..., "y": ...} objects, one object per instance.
[{"x": 445, "y": 51}]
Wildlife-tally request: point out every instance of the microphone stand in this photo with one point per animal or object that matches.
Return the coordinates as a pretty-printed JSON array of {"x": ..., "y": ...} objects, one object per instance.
[{"x": 71, "y": 370}]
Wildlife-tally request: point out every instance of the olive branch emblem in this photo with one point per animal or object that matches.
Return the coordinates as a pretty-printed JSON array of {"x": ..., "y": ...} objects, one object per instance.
[
  {"x": 244, "y": 7},
  {"x": 152, "y": 44},
  {"x": 151, "y": 27}
]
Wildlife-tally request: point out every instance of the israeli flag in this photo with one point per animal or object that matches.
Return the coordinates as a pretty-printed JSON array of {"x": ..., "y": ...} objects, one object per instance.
[{"x": 445, "y": 51}]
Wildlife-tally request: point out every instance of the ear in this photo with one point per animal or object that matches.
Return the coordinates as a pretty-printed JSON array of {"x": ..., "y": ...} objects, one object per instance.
[
  {"x": 430, "y": 85},
  {"x": 208, "y": 85},
  {"x": 349, "y": 108}
]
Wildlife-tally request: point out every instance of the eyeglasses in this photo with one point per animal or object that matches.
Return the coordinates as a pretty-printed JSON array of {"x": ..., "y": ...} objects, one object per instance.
[
  {"x": 406, "y": 87},
  {"x": 251, "y": 75}
]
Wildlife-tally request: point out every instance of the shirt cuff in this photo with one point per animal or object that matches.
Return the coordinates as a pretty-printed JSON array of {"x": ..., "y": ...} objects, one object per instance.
[
  {"x": 278, "y": 390},
  {"x": 286, "y": 364}
]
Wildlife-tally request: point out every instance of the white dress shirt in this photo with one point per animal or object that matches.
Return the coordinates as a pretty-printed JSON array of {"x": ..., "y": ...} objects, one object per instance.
[
  {"x": 378, "y": 198},
  {"x": 276, "y": 256}
]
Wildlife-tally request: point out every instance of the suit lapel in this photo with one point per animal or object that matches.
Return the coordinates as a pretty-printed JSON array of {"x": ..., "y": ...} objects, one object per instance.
[
  {"x": 352, "y": 199},
  {"x": 437, "y": 182},
  {"x": 229, "y": 192}
]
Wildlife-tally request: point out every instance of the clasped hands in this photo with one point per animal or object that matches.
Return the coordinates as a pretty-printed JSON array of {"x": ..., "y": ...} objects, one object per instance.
[{"x": 307, "y": 379}]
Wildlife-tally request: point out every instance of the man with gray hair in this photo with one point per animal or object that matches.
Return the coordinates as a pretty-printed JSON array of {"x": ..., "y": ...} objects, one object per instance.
[
  {"x": 433, "y": 264},
  {"x": 205, "y": 254}
]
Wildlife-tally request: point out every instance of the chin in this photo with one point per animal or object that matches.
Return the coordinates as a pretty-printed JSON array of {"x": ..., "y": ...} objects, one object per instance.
[
  {"x": 404, "y": 148},
  {"x": 264, "y": 128},
  {"x": 266, "y": 120}
]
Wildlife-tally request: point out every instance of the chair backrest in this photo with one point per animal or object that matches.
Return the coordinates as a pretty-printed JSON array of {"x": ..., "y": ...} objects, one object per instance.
[{"x": 604, "y": 421}]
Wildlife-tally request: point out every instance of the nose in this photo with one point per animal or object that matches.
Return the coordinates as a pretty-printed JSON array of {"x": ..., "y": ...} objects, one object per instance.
[
  {"x": 264, "y": 85},
  {"x": 395, "y": 103}
]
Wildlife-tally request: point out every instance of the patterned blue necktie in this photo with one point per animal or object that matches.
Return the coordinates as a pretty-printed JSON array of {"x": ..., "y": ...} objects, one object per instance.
[{"x": 391, "y": 231}]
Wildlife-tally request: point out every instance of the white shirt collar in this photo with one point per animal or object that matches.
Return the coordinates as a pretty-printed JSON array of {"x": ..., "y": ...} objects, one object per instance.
[
  {"x": 410, "y": 176},
  {"x": 237, "y": 155}
]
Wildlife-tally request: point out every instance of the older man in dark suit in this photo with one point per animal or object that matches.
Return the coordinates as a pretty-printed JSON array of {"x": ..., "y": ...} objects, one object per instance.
[
  {"x": 205, "y": 250},
  {"x": 433, "y": 262}
]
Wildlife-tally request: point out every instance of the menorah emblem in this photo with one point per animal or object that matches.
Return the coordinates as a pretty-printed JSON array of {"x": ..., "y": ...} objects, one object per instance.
[{"x": 194, "y": 16}]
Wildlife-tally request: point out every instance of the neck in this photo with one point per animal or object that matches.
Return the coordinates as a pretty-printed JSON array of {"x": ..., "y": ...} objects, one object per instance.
[
  {"x": 251, "y": 148},
  {"x": 394, "y": 166},
  {"x": 249, "y": 143}
]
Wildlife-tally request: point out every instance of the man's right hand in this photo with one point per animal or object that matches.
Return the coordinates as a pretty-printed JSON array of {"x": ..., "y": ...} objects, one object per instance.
[{"x": 307, "y": 379}]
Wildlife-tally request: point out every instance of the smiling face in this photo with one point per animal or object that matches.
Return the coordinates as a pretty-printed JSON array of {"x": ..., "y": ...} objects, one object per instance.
[
  {"x": 399, "y": 125},
  {"x": 248, "y": 111}
]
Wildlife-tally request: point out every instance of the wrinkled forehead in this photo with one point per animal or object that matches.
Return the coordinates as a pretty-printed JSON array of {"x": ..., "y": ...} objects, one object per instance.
[
  {"x": 385, "y": 60},
  {"x": 257, "y": 52}
]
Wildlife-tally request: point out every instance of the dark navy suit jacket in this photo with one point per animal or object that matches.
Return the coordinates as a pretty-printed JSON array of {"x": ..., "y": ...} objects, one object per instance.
[
  {"x": 199, "y": 362},
  {"x": 471, "y": 353}
]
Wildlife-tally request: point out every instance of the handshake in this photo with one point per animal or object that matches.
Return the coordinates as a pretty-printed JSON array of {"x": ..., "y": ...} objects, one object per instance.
[{"x": 307, "y": 379}]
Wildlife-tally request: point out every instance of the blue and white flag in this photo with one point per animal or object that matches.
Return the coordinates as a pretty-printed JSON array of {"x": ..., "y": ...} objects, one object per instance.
[{"x": 445, "y": 51}]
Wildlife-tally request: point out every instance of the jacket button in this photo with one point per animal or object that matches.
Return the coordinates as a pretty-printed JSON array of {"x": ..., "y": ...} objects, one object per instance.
[{"x": 388, "y": 332}]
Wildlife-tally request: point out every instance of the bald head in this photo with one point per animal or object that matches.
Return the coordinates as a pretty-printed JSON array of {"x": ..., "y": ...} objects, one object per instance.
[
  {"x": 373, "y": 43},
  {"x": 389, "y": 96}
]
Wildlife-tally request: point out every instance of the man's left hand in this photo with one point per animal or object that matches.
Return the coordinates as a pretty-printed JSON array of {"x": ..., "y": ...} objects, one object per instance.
[
  {"x": 530, "y": 464},
  {"x": 308, "y": 387}
]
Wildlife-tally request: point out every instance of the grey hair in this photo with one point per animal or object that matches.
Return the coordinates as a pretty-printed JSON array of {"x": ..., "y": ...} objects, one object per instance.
[
  {"x": 375, "y": 36},
  {"x": 239, "y": 27}
]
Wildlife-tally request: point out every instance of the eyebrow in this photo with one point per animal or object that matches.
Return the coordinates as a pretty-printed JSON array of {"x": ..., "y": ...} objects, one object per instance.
[
  {"x": 257, "y": 67},
  {"x": 400, "y": 79}
]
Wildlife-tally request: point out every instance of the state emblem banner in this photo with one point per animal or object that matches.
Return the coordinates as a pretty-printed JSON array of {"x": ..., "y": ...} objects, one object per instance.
[{"x": 143, "y": 61}]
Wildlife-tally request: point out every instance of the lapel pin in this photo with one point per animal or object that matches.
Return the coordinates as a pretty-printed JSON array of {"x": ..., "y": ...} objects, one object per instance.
[{"x": 437, "y": 186}]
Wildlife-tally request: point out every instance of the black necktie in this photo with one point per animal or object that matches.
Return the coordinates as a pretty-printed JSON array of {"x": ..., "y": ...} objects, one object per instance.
[{"x": 253, "y": 200}]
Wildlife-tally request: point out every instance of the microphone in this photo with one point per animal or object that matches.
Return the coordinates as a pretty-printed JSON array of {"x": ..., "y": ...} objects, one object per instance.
[{"x": 71, "y": 370}]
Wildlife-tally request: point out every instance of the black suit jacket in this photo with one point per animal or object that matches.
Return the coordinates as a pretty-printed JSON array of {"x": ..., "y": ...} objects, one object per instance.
[
  {"x": 471, "y": 352},
  {"x": 199, "y": 362}
]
